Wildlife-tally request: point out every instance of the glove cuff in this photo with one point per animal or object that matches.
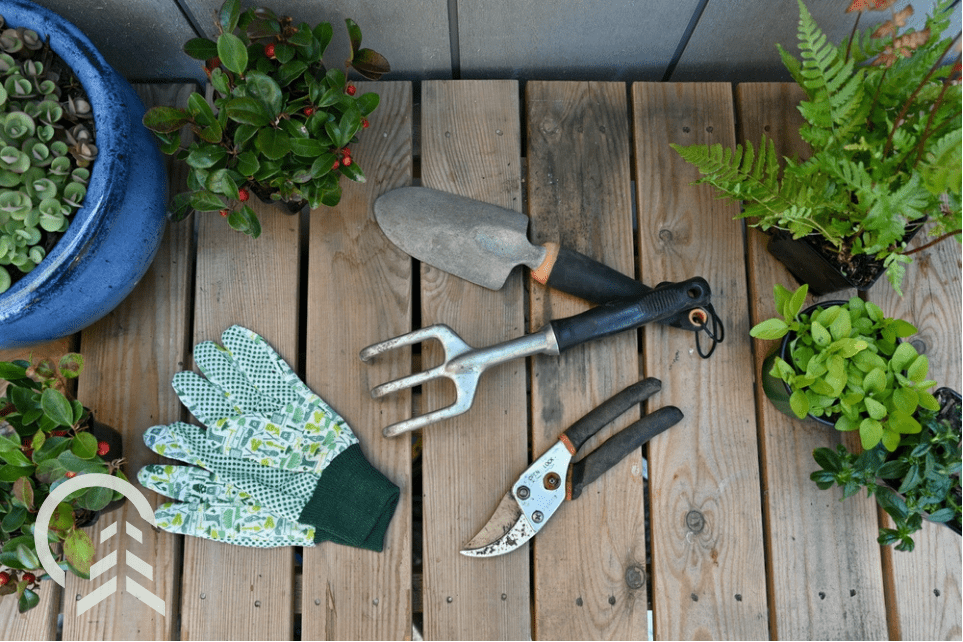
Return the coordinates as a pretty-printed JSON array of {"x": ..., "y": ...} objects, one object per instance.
[{"x": 352, "y": 504}]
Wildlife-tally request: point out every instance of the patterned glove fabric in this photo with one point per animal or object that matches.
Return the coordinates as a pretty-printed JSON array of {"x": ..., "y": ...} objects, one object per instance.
[{"x": 276, "y": 466}]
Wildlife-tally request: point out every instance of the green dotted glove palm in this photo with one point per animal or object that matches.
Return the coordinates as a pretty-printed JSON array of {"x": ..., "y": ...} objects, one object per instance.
[{"x": 280, "y": 466}]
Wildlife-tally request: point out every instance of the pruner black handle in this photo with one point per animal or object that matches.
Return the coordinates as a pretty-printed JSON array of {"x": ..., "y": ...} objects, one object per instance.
[
  {"x": 603, "y": 414},
  {"x": 662, "y": 302},
  {"x": 575, "y": 273},
  {"x": 614, "y": 450}
]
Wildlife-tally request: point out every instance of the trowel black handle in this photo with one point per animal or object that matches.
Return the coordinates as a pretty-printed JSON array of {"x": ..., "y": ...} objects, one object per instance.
[
  {"x": 665, "y": 301},
  {"x": 573, "y": 272},
  {"x": 614, "y": 450}
]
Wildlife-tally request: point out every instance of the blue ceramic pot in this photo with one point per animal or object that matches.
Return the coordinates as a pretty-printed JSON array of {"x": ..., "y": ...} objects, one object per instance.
[{"x": 113, "y": 238}]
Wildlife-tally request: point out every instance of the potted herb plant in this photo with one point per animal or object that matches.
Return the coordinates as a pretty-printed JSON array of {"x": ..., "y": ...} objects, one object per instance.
[
  {"x": 842, "y": 363},
  {"x": 46, "y": 437},
  {"x": 882, "y": 122},
  {"x": 82, "y": 183},
  {"x": 281, "y": 124},
  {"x": 920, "y": 480}
]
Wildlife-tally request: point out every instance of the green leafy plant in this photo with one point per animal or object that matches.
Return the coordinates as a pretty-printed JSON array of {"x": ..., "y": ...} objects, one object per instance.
[
  {"x": 921, "y": 480},
  {"x": 281, "y": 123},
  {"x": 46, "y": 149},
  {"x": 883, "y": 125},
  {"x": 45, "y": 439},
  {"x": 848, "y": 366}
]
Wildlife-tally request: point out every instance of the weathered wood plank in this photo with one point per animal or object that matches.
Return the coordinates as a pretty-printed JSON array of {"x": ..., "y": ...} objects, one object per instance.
[
  {"x": 130, "y": 357},
  {"x": 232, "y": 592},
  {"x": 470, "y": 145},
  {"x": 924, "y": 586},
  {"x": 824, "y": 568},
  {"x": 359, "y": 292},
  {"x": 580, "y": 194},
  {"x": 706, "y": 575}
]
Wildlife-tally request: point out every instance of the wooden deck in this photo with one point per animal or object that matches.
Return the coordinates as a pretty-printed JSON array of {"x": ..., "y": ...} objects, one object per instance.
[{"x": 733, "y": 539}]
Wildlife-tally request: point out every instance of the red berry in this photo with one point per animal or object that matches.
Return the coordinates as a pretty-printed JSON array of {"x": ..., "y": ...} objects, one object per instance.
[
  {"x": 336, "y": 165},
  {"x": 103, "y": 448},
  {"x": 29, "y": 578},
  {"x": 269, "y": 50},
  {"x": 351, "y": 90},
  {"x": 346, "y": 151},
  {"x": 224, "y": 212},
  {"x": 308, "y": 111},
  {"x": 4, "y": 578},
  {"x": 242, "y": 195},
  {"x": 364, "y": 122},
  {"x": 213, "y": 63},
  {"x": 346, "y": 161},
  {"x": 70, "y": 474}
]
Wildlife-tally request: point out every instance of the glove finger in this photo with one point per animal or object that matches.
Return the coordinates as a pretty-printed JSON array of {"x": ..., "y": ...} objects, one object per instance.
[
  {"x": 233, "y": 523},
  {"x": 180, "y": 441},
  {"x": 263, "y": 366},
  {"x": 206, "y": 400},
  {"x": 189, "y": 483},
  {"x": 221, "y": 369}
]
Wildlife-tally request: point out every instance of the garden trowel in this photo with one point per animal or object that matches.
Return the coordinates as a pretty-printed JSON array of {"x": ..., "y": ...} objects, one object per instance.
[{"x": 483, "y": 243}]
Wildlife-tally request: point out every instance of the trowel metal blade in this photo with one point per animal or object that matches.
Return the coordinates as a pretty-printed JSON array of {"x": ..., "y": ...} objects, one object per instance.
[{"x": 473, "y": 240}]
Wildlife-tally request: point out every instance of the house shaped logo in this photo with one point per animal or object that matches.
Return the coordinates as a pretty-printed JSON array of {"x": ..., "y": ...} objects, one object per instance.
[{"x": 109, "y": 587}]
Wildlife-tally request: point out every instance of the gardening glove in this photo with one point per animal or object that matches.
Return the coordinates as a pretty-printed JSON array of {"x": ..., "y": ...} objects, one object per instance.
[{"x": 278, "y": 466}]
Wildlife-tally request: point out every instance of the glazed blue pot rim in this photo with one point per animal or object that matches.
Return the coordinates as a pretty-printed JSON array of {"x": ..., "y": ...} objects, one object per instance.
[{"x": 109, "y": 171}]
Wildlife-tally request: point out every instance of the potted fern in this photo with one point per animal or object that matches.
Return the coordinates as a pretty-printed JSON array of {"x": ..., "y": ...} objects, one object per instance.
[{"x": 882, "y": 120}]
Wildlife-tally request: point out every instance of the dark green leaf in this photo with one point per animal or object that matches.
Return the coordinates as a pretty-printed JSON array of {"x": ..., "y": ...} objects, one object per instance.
[
  {"x": 942, "y": 515},
  {"x": 284, "y": 52},
  {"x": 24, "y": 492},
  {"x": 96, "y": 498},
  {"x": 911, "y": 480},
  {"x": 27, "y": 556},
  {"x": 232, "y": 52},
  {"x": 247, "y": 163},
  {"x": 200, "y": 48},
  {"x": 56, "y": 406},
  {"x": 273, "y": 143},
  {"x": 290, "y": 71},
  {"x": 368, "y": 102},
  {"x": 370, "y": 64},
  {"x": 302, "y": 37},
  {"x": 201, "y": 110},
  {"x": 828, "y": 459},
  {"x": 308, "y": 147},
  {"x": 11, "y": 371},
  {"x": 164, "y": 120},
  {"x": 206, "y": 202},
  {"x": 84, "y": 446},
  {"x": 13, "y": 520},
  {"x": 266, "y": 90},
  {"x": 206, "y": 156},
  {"x": 180, "y": 207},
  {"x": 245, "y": 220},
  {"x": 354, "y": 35},
  {"x": 323, "y": 33},
  {"x": 229, "y": 13},
  {"x": 244, "y": 133},
  {"x": 353, "y": 171},
  {"x": 28, "y": 600}
]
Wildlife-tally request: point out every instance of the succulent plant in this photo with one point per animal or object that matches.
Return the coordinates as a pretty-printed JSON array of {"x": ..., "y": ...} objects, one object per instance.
[
  {"x": 46, "y": 150},
  {"x": 281, "y": 123}
]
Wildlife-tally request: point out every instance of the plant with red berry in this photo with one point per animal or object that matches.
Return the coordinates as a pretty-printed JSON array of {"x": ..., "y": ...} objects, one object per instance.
[
  {"x": 47, "y": 437},
  {"x": 279, "y": 121}
]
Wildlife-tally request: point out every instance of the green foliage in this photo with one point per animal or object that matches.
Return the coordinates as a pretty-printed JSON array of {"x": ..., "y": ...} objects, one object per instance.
[
  {"x": 46, "y": 148},
  {"x": 921, "y": 479},
  {"x": 45, "y": 438},
  {"x": 848, "y": 365},
  {"x": 883, "y": 122},
  {"x": 280, "y": 124}
]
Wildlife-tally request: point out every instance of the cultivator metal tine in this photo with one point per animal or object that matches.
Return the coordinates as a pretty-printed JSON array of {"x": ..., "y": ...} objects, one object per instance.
[
  {"x": 408, "y": 382},
  {"x": 465, "y": 395}
]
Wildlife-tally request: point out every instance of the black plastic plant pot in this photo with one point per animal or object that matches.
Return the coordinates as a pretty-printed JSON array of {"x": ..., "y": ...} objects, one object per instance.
[
  {"x": 810, "y": 266},
  {"x": 777, "y": 390}
]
